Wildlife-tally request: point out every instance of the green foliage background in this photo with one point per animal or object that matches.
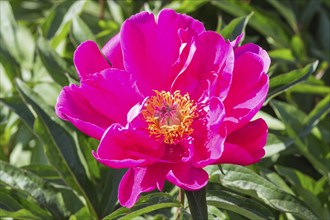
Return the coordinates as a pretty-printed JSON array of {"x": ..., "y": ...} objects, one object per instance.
[{"x": 46, "y": 167}]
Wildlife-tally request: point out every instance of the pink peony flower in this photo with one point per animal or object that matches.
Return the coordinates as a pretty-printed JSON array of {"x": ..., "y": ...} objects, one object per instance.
[{"x": 172, "y": 99}]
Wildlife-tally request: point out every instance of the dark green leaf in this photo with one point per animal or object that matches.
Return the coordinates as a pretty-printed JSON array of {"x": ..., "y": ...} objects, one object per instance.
[
  {"x": 246, "y": 207},
  {"x": 286, "y": 12},
  {"x": 283, "y": 82},
  {"x": 16, "y": 104},
  {"x": 44, "y": 193},
  {"x": 263, "y": 22},
  {"x": 80, "y": 32},
  {"x": 54, "y": 64},
  {"x": 309, "y": 146},
  {"x": 60, "y": 147},
  {"x": 20, "y": 214},
  {"x": 245, "y": 181},
  {"x": 235, "y": 27}
]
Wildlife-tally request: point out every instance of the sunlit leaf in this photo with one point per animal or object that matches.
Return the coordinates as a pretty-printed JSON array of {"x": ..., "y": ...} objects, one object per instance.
[
  {"x": 45, "y": 194},
  {"x": 245, "y": 181},
  {"x": 238, "y": 204},
  {"x": 283, "y": 82},
  {"x": 60, "y": 147}
]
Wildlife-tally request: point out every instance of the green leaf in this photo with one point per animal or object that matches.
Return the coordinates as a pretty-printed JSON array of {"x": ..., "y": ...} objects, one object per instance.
[
  {"x": 283, "y": 82},
  {"x": 306, "y": 188},
  {"x": 16, "y": 104},
  {"x": 44, "y": 171},
  {"x": 308, "y": 88},
  {"x": 309, "y": 146},
  {"x": 110, "y": 183},
  {"x": 276, "y": 179},
  {"x": 236, "y": 27},
  {"x": 21, "y": 199},
  {"x": 265, "y": 23},
  {"x": 54, "y": 64},
  {"x": 146, "y": 204},
  {"x": 282, "y": 54},
  {"x": 73, "y": 11},
  {"x": 286, "y": 12},
  {"x": 45, "y": 194},
  {"x": 10, "y": 65},
  {"x": 321, "y": 109},
  {"x": 245, "y": 181},
  {"x": 8, "y": 29},
  {"x": 80, "y": 32},
  {"x": 186, "y": 6},
  {"x": 20, "y": 214},
  {"x": 298, "y": 47},
  {"x": 238, "y": 204},
  {"x": 60, "y": 147}
]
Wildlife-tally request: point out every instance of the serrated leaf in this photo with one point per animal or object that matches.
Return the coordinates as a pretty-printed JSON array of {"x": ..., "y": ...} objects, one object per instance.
[
  {"x": 243, "y": 180},
  {"x": 238, "y": 204},
  {"x": 45, "y": 194},
  {"x": 283, "y": 82}
]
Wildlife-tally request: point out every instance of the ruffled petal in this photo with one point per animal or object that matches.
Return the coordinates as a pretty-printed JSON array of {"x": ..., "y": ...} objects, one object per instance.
[
  {"x": 72, "y": 106},
  {"x": 100, "y": 100},
  {"x": 187, "y": 177},
  {"x": 245, "y": 146},
  {"x": 112, "y": 51},
  {"x": 209, "y": 64},
  {"x": 209, "y": 136},
  {"x": 248, "y": 90},
  {"x": 121, "y": 147},
  {"x": 138, "y": 180},
  {"x": 150, "y": 54},
  {"x": 89, "y": 60},
  {"x": 112, "y": 93},
  {"x": 250, "y": 47}
]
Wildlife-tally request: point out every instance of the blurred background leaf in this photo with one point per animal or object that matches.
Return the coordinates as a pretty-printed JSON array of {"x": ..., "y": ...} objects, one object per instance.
[{"x": 47, "y": 169}]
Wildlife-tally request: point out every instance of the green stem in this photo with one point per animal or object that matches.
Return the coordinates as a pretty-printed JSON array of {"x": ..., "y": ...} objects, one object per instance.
[{"x": 197, "y": 204}]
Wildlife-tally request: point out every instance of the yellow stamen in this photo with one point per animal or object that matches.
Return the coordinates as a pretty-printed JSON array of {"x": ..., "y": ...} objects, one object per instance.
[{"x": 169, "y": 116}]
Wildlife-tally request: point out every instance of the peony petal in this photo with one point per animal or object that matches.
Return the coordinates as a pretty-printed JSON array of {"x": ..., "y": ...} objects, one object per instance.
[
  {"x": 89, "y": 60},
  {"x": 210, "y": 63},
  {"x": 72, "y": 106},
  {"x": 112, "y": 51},
  {"x": 138, "y": 180},
  {"x": 250, "y": 47},
  {"x": 187, "y": 177},
  {"x": 150, "y": 54},
  {"x": 245, "y": 146},
  {"x": 249, "y": 86},
  {"x": 243, "y": 107},
  {"x": 124, "y": 148},
  {"x": 209, "y": 140},
  {"x": 112, "y": 93}
]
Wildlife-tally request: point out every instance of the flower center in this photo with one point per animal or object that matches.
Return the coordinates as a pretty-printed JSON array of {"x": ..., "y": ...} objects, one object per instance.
[{"x": 169, "y": 116}]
